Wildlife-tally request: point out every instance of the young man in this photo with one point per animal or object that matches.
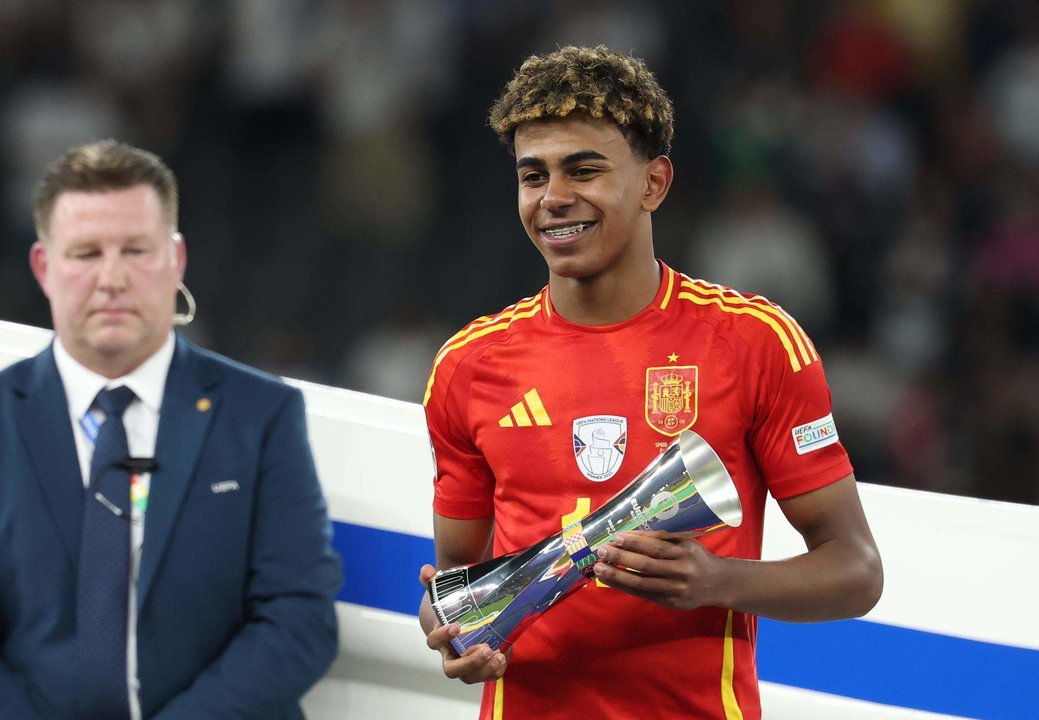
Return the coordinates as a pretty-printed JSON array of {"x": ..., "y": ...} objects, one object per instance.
[
  {"x": 166, "y": 547},
  {"x": 620, "y": 347}
]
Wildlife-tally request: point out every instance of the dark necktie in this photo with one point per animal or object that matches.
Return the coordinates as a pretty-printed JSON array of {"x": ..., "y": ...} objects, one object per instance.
[{"x": 104, "y": 570}]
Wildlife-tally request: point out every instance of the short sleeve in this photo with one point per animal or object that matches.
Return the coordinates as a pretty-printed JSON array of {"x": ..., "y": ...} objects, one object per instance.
[
  {"x": 794, "y": 438},
  {"x": 463, "y": 485}
]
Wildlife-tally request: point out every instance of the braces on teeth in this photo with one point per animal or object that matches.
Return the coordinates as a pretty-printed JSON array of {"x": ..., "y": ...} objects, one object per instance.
[{"x": 563, "y": 232}]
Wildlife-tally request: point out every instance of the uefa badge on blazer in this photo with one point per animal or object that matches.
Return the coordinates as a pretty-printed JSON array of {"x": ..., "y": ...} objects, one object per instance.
[{"x": 685, "y": 489}]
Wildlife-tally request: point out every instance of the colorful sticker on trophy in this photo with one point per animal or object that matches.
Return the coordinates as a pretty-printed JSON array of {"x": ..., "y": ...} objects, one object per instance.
[{"x": 577, "y": 546}]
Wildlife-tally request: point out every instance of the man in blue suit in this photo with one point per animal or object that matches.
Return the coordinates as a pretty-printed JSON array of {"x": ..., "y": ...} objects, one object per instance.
[{"x": 175, "y": 564}]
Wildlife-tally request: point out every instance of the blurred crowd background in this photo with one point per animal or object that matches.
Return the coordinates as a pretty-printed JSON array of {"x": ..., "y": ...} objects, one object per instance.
[{"x": 873, "y": 166}]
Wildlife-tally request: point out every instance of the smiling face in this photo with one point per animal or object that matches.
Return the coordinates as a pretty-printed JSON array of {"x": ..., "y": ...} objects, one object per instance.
[
  {"x": 585, "y": 197},
  {"x": 110, "y": 264}
]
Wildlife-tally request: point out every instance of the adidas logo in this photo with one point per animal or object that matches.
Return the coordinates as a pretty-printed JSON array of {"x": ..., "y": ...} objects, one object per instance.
[{"x": 520, "y": 417}]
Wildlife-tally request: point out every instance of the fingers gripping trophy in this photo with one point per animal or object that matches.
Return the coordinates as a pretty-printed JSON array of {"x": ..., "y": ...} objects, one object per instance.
[{"x": 685, "y": 489}]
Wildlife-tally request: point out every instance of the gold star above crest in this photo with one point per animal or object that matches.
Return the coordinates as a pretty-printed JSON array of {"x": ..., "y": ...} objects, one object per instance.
[{"x": 673, "y": 357}]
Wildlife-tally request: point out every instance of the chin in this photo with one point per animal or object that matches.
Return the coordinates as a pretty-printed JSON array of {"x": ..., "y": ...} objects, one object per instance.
[
  {"x": 572, "y": 268},
  {"x": 114, "y": 342}
]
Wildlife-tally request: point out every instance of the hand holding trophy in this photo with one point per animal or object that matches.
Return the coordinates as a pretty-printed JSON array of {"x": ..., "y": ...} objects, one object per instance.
[{"x": 685, "y": 489}]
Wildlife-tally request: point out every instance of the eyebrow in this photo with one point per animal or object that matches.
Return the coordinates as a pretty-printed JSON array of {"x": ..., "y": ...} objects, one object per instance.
[{"x": 570, "y": 159}]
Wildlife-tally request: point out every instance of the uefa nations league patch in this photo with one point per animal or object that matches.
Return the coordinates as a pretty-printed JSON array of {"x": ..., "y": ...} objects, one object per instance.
[
  {"x": 815, "y": 435},
  {"x": 599, "y": 444}
]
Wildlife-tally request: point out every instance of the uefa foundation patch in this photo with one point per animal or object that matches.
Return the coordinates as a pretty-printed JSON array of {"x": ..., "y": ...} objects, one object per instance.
[{"x": 815, "y": 435}]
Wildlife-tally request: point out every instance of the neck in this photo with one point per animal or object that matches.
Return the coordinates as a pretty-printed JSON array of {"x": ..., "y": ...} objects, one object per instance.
[{"x": 605, "y": 299}]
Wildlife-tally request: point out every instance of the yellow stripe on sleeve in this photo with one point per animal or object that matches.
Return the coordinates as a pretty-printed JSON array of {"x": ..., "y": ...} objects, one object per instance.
[
  {"x": 804, "y": 336},
  {"x": 481, "y": 327},
  {"x": 755, "y": 312},
  {"x": 733, "y": 298},
  {"x": 487, "y": 320}
]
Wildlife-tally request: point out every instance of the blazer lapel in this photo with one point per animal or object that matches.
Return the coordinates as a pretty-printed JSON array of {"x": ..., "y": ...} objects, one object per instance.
[
  {"x": 188, "y": 406},
  {"x": 42, "y": 416}
]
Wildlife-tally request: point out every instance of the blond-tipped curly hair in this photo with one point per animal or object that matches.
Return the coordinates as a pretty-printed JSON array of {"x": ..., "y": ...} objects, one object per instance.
[{"x": 596, "y": 81}]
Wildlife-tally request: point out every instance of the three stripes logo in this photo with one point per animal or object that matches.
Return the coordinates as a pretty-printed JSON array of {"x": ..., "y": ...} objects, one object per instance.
[{"x": 527, "y": 412}]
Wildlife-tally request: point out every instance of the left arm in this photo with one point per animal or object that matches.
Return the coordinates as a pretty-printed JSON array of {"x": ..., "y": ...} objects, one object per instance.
[
  {"x": 839, "y": 576},
  {"x": 289, "y": 637}
]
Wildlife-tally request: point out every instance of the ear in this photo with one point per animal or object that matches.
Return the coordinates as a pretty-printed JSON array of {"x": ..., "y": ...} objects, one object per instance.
[
  {"x": 38, "y": 263},
  {"x": 659, "y": 174},
  {"x": 179, "y": 255}
]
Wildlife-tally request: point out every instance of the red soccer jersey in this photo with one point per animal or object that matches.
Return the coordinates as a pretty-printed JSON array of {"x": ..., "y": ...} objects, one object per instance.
[{"x": 537, "y": 421}]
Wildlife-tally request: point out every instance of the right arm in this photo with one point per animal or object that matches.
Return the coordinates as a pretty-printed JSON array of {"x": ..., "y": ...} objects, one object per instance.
[
  {"x": 459, "y": 542},
  {"x": 463, "y": 488}
]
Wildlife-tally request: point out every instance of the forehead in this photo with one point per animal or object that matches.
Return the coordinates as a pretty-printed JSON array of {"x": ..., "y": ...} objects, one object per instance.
[
  {"x": 135, "y": 210},
  {"x": 555, "y": 138}
]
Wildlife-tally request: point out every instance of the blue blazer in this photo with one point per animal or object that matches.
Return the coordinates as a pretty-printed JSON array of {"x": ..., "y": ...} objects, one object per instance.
[{"x": 238, "y": 580}]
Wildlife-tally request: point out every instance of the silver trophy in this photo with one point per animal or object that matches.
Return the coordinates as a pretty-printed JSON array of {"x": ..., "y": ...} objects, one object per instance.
[{"x": 685, "y": 489}]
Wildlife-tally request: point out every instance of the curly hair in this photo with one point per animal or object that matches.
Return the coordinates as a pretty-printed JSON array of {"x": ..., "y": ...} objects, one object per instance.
[
  {"x": 596, "y": 81},
  {"x": 100, "y": 166}
]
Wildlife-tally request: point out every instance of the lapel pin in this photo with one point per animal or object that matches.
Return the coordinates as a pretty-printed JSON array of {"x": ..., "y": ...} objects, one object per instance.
[{"x": 203, "y": 404}]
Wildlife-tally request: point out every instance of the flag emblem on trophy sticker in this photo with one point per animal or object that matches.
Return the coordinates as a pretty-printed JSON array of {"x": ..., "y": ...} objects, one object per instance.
[
  {"x": 599, "y": 444},
  {"x": 671, "y": 398}
]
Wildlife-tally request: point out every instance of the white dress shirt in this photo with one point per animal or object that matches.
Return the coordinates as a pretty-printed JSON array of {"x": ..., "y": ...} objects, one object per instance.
[{"x": 141, "y": 420}]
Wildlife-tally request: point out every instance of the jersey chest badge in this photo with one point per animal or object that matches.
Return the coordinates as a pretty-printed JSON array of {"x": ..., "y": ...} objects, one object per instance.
[
  {"x": 599, "y": 443},
  {"x": 671, "y": 398}
]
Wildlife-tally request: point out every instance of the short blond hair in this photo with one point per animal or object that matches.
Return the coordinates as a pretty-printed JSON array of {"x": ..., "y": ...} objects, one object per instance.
[
  {"x": 595, "y": 81},
  {"x": 99, "y": 166}
]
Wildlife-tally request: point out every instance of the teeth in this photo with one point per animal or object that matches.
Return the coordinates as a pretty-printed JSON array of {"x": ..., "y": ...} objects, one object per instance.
[{"x": 566, "y": 231}]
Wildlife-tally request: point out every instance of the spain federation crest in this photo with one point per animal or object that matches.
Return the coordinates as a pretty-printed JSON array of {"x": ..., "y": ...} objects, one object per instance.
[
  {"x": 599, "y": 443},
  {"x": 671, "y": 398}
]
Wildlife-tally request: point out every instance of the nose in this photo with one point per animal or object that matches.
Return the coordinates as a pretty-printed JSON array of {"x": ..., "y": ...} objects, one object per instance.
[
  {"x": 558, "y": 195},
  {"x": 111, "y": 274}
]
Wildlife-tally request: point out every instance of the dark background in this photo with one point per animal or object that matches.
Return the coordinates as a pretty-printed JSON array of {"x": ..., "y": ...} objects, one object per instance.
[{"x": 871, "y": 166}]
